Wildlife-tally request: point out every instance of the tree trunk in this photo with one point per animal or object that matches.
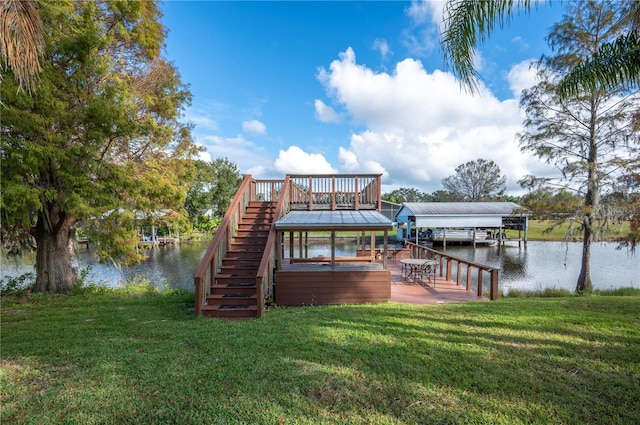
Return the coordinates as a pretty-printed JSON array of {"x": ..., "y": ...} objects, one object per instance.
[
  {"x": 584, "y": 285},
  {"x": 54, "y": 272}
]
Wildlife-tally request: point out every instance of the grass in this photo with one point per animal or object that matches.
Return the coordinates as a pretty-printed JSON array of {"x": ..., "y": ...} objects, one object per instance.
[
  {"x": 135, "y": 357},
  {"x": 548, "y": 230}
]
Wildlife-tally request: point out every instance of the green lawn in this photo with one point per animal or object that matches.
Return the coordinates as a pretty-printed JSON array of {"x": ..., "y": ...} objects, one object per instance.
[
  {"x": 115, "y": 358},
  {"x": 548, "y": 230}
]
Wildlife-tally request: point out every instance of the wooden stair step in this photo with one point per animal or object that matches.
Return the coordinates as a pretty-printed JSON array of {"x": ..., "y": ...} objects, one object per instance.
[
  {"x": 231, "y": 311},
  {"x": 248, "y": 246},
  {"x": 254, "y": 254},
  {"x": 245, "y": 255},
  {"x": 241, "y": 262},
  {"x": 233, "y": 299},
  {"x": 235, "y": 286}
]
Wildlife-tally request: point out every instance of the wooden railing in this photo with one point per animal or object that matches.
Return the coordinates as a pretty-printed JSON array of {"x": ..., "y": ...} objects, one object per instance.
[
  {"x": 206, "y": 274},
  {"x": 279, "y": 191},
  {"x": 335, "y": 192},
  {"x": 295, "y": 192},
  {"x": 446, "y": 263},
  {"x": 266, "y": 190}
]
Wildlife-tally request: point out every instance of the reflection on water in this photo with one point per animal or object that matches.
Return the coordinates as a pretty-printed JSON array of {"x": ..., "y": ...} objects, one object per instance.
[
  {"x": 536, "y": 266},
  {"x": 166, "y": 266}
]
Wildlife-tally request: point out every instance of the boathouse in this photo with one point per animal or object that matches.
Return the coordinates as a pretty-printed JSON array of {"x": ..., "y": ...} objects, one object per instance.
[{"x": 464, "y": 222}]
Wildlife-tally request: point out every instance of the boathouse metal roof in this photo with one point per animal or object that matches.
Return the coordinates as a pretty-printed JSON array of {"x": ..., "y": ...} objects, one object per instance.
[
  {"x": 463, "y": 208},
  {"x": 334, "y": 220},
  {"x": 458, "y": 214}
]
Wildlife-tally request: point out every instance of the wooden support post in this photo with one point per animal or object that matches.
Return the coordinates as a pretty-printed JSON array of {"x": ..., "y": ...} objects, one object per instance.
[
  {"x": 468, "y": 277},
  {"x": 479, "y": 282},
  {"x": 494, "y": 285},
  {"x": 333, "y": 248},
  {"x": 291, "y": 244},
  {"x": 385, "y": 250}
]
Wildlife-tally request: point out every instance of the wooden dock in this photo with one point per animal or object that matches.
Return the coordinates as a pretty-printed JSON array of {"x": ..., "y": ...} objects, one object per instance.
[
  {"x": 160, "y": 241},
  {"x": 443, "y": 291}
]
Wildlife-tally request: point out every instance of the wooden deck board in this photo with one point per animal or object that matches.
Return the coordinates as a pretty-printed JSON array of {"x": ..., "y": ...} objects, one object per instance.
[{"x": 410, "y": 292}]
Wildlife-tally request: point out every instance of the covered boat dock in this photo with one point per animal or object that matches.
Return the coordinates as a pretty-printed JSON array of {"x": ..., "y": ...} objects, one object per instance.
[{"x": 463, "y": 222}]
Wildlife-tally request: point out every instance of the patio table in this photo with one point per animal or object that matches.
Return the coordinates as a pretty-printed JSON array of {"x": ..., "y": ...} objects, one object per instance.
[{"x": 415, "y": 266}]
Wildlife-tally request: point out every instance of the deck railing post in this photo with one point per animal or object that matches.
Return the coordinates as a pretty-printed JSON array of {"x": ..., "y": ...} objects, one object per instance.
[
  {"x": 333, "y": 193},
  {"x": 198, "y": 301},
  {"x": 445, "y": 260},
  {"x": 494, "y": 285}
]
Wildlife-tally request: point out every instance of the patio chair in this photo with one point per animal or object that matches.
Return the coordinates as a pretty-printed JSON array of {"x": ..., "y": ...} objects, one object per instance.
[
  {"x": 402, "y": 254},
  {"x": 428, "y": 270}
]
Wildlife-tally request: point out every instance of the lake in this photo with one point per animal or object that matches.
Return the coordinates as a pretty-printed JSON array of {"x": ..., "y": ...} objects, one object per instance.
[{"x": 534, "y": 266}]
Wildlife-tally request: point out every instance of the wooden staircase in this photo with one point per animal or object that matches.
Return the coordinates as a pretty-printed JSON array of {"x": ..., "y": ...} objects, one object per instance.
[{"x": 234, "y": 294}]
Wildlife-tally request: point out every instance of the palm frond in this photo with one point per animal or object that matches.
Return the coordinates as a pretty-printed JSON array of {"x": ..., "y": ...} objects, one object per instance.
[
  {"x": 21, "y": 41},
  {"x": 615, "y": 65},
  {"x": 468, "y": 23}
]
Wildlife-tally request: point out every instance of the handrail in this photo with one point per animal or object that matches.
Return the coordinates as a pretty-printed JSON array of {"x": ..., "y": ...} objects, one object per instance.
[
  {"x": 206, "y": 273},
  {"x": 324, "y": 191},
  {"x": 446, "y": 264},
  {"x": 264, "y": 274},
  {"x": 335, "y": 191}
]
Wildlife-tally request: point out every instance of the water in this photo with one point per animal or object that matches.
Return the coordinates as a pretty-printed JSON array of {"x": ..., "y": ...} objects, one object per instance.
[
  {"x": 170, "y": 266},
  {"x": 536, "y": 266},
  {"x": 540, "y": 265}
]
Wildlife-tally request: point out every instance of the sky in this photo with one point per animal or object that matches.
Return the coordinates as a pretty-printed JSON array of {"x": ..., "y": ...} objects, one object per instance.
[{"x": 301, "y": 87}]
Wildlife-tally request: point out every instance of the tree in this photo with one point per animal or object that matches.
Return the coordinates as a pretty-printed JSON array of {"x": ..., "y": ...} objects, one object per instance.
[
  {"x": 445, "y": 196},
  {"x": 226, "y": 182},
  {"x": 21, "y": 41},
  {"x": 478, "y": 180},
  {"x": 589, "y": 137},
  {"x": 198, "y": 199},
  {"x": 213, "y": 187},
  {"x": 544, "y": 202},
  {"x": 100, "y": 140},
  {"x": 468, "y": 23},
  {"x": 405, "y": 194}
]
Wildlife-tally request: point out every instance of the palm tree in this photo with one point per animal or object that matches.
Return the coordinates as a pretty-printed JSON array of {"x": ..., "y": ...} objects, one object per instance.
[
  {"x": 468, "y": 23},
  {"x": 21, "y": 41}
]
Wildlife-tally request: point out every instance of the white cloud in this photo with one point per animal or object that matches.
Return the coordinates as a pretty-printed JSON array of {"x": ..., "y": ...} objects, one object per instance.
[
  {"x": 424, "y": 14},
  {"x": 420, "y": 126},
  {"x": 350, "y": 163},
  {"x": 201, "y": 121},
  {"x": 381, "y": 45},
  {"x": 296, "y": 161},
  {"x": 520, "y": 42},
  {"x": 204, "y": 155},
  {"x": 521, "y": 76},
  {"x": 254, "y": 126},
  {"x": 244, "y": 153},
  {"x": 426, "y": 11},
  {"x": 325, "y": 113}
]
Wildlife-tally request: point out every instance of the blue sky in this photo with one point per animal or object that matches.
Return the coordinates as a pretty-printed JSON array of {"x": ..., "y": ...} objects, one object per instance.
[{"x": 350, "y": 87}]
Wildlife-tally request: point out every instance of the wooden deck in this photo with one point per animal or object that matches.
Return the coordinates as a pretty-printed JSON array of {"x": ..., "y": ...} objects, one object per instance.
[
  {"x": 299, "y": 280},
  {"x": 410, "y": 292}
]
